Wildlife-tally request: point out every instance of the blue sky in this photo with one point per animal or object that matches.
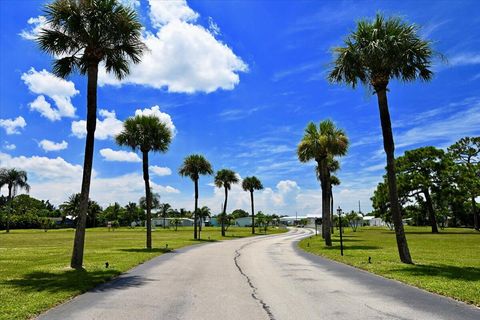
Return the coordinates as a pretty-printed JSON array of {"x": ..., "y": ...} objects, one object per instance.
[{"x": 237, "y": 81}]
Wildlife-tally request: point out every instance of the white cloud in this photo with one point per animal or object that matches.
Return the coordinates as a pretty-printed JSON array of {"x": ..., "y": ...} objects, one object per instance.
[
  {"x": 11, "y": 126},
  {"x": 36, "y": 25},
  {"x": 9, "y": 146},
  {"x": 109, "y": 127},
  {"x": 464, "y": 59},
  {"x": 163, "y": 12},
  {"x": 448, "y": 128},
  {"x": 56, "y": 179},
  {"x": 45, "y": 108},
  {"x": 48, "y": 145},
  {"x": 59, "y": 90},
  {"x": 286, "y": 186},
  {"x": 43, "y": 168},
  {"x": 183, "y": 56},
  {"x": 120, "y": 155},
  {"x": 160, "y": 171},
  {"x": 164, "y": 117}
]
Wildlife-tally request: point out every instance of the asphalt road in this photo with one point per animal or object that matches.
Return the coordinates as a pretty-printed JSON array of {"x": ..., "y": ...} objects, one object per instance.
[{"x": 256, "y": 278}]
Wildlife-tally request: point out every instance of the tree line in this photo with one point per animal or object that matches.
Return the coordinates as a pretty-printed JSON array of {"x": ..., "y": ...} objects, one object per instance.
[
  {"x": 26, "y": 212},
  {"x": 436, "y": 187}
]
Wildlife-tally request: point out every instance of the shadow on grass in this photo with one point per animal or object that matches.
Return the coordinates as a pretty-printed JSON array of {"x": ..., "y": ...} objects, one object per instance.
[
  {"x": 337, "y": 247},
  {"x": 443, "y": 232},
  {"x": 145, "y": 250},
  {"x": 67, "y": 281},
  {"x": 442, "y": 271}
]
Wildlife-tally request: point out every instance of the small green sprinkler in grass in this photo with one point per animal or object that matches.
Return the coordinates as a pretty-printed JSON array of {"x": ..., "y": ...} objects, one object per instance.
[
  {"x": 166, "y": 246},
  {"x": 308, "y": 244}
]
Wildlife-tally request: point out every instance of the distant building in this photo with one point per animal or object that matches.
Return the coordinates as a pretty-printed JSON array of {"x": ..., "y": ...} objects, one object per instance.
[{"x": 185, "y": 222}]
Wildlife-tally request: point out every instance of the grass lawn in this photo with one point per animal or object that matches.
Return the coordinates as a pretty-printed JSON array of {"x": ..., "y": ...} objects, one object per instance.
[
  {"x": 34, "y": 265},
  {"x": 447, "y": 263}
]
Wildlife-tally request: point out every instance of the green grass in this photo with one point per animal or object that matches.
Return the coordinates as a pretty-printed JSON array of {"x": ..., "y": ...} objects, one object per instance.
[
  {"x": 34, "y": 265},
  {"x": 447, "y": 263}
]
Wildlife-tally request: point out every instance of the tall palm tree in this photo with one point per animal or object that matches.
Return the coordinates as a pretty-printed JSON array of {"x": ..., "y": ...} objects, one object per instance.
[
  {"x": 145, "y": 134},
  {"x": 225, "y": 178},
  {"x": 14, "y": 179},
  {"x": 321, "y": 144},
  {"x": 81, "y": 36},
  {"x": 251, "y": 184},
  {"x": 375, "y": 53},
  {"x": 165, "y": 211},
  {"x": 193, "y": 166}
]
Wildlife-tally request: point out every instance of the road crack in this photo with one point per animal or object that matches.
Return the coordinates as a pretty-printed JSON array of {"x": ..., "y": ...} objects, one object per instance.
[{"x": 254, "y": 294}]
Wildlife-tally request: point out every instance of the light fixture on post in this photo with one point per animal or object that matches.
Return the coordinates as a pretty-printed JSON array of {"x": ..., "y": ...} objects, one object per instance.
[{"x": 339, "y": 212}]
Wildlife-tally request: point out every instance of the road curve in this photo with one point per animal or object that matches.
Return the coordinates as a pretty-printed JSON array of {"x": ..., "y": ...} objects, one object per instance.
[{"x": 265, "y": 277}]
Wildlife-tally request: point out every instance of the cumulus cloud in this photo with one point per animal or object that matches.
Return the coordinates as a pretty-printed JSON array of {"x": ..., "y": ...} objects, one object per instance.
[
  {"x": 12, "y": 126},
  {"x": 56, "y": 179},
  {"x": 48, "y": 145},
  {"x": 120, "y": 155},
  {"x": 109, "y": 127},
  {"x": 160, "y": 171},
  {"x": 183, "y": 56},
  {"x": 59, "y": 90},
  {"x": 43, "y": 168},
  {"x": 36, "y": 25},
  {"x": 164, "y": 117},
  {"x": 163, "y": 12}
]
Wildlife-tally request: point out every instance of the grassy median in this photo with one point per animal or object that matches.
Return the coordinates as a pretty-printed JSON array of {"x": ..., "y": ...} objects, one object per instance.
[
  {"x": 34, "y": 265},
  {"x": 447, "y": 263}
]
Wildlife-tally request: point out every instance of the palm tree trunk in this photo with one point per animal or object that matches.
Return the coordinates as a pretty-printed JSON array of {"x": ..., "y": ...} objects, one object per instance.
[
  {"x": 224, "y": 214},
  {"x": 389, "y": 147},
  {"x": 253, "y": 212},
  {"x": 431, "y": 212},
  {"x": 195, "y": 212},
  {"x": 10, "y": 210},
  {"x": 79, "y": 241},
  {"x": 476, "y": 222},
  {"x": 332, "y": 229},
  {"x": 325, "y": 183},
  {"x": 148, "y": 199}
]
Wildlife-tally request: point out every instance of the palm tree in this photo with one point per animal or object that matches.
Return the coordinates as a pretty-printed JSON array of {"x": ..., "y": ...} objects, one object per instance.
[
  {"x": 81, "y": 35},
  {"x": 193, "y": 166},
  {"x": 14, "y": 179},
  {"x": 155, "y": 202},
  {"x": 225, "y": 178},
  {"x": 203, "y": 213},
  {"x": 145, "y": 133},
  {"x": 321, "y": 144},
  {"x": 165, "y": 211},
  {"x": 251, "y": 184},
  {"x": 375, "y": 53}
]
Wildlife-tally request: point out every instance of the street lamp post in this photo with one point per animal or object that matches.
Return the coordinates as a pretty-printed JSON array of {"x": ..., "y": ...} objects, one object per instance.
[{"x": 339, "y": 212}]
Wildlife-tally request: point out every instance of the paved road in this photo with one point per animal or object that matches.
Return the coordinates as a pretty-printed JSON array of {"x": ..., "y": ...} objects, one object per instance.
[{"x": 255, "y": 278}]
